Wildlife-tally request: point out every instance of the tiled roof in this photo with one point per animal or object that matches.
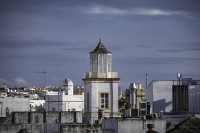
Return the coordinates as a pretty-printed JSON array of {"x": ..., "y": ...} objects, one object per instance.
[
  {"x": 190, "y": 125},
  {"x": 100, "y": 48}
]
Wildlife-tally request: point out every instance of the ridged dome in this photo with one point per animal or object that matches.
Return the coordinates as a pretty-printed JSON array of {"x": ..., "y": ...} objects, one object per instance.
[{"x": 68, "y": 82}]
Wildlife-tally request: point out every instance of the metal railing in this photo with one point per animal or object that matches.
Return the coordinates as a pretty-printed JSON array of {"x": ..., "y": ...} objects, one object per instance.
[{"x": 100, "y": 75}]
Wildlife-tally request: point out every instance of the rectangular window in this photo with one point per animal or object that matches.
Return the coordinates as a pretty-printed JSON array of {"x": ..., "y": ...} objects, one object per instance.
[
  {"x": 104, "y": 65},
  {"x": 104, "y": 100},
  {"x": 109, "y": 63}
]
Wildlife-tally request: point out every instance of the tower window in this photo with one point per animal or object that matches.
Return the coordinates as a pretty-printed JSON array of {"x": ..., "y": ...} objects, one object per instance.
[
  {"x": 88, "y": 104},
  {"x": 104, "y": 100}
]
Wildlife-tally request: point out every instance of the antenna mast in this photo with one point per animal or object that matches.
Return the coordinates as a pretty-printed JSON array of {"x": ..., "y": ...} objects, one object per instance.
[
  {"x": 146, "y": 79},
  {"x": 45, "y": 77}
]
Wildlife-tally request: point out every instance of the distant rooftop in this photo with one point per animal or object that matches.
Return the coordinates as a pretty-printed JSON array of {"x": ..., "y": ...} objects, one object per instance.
[{"x": 183, "y": 81}]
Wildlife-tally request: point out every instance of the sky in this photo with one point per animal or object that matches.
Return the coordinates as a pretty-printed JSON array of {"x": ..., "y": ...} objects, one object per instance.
[{"x": 157, "y": 37}]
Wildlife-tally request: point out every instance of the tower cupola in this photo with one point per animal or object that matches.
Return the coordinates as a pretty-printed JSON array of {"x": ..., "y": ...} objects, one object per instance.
[{"x": 101, "y": 61}]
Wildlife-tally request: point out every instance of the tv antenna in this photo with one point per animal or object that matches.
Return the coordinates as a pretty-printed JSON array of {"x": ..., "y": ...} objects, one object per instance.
[
  {"x": 146, "y": 77},
  {"x": 45, "y": 77}
]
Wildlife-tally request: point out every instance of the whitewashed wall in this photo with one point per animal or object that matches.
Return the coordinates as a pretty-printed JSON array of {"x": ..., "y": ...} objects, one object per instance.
[
  {"x": 14, "y": 104},
  {"x": 159, "y": 94},
  {"x": 132, "y": 125},
  {"x": 64, "y": 102}
]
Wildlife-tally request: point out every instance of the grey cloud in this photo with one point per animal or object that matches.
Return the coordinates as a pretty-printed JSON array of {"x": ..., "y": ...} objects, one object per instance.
[
  {"x": 150, "y": 8},
  {"x": 21, "y": 82},
  {"x": 14, "y": 43},
  {"x": 189, "y": 46},
  {"x": 144, "y": 46},
  {"x": 170, "y": 50},
  {"x": 181, "y": 5},
  {"x": 49, "y": 33},
  {"x": 181, "y": 47},
  {"x": 193, "y": 49},
  {"x": 78, "y": 47},
  {"x": 132, "y": 11},
  {"x": 194, "y": 75},
  {"x": 156, "y": 60},
  {"x": 5, "y": 81},
  {"x": 42, "y": 51}
]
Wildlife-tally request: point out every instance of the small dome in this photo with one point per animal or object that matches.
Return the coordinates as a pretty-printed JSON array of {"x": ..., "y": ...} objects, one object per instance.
[{"x": 68, "y": 82}]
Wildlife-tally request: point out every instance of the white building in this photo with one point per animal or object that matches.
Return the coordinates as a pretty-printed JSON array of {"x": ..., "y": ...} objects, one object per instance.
[
  {"x": 101, "y": 85},
  {"x": 13, "y": 104},
  {"x": 64, "y": 100},
  {"x": 160, "y": 95}
]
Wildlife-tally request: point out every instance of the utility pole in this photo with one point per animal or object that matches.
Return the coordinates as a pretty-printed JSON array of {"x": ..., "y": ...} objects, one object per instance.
[{"x": 45, "y": 77}]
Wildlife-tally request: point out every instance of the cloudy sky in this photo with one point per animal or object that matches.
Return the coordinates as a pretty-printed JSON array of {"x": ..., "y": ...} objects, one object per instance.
[{"x": 158, "y": 37}]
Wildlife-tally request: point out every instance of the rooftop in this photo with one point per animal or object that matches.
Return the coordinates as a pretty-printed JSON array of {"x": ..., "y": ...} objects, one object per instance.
[{"x": 100, "y": 48}]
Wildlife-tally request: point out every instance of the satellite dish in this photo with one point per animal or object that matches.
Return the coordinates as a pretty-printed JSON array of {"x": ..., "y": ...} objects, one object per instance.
[{"x": 179, "y": 75}]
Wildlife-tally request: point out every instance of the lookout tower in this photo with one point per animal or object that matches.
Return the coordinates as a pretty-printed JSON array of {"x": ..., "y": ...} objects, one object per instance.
[{"x": 101, "y": 86}]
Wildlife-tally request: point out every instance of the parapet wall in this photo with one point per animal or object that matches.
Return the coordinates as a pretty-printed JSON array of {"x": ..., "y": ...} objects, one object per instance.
[
  {"x": 40, "y": 122},
  {"x": 44, "y": 117},
  {"x": 15, "y": 128}
]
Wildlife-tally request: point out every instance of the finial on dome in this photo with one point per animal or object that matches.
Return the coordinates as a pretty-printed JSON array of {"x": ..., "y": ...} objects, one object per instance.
[
  {"x": 100, "y": 39},
  {"x": 100, "y": 48}
]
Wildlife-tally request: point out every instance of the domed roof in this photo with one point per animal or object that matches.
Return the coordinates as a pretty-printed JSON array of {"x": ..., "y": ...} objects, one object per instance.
[{"x": 68, "y": 82}]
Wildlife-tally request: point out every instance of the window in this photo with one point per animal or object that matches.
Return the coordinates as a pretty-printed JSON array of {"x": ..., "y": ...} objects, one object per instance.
[
  {"x": 93, "y": 63},
  {"x": 104, "y": 100},
  {"x": 53, "y": 109},
  {"x": 88, "y": 100},
  {"x": 109, "y": 63},
  {"x": 109, "y": 67},
  {"x": 104, "y": 65}
]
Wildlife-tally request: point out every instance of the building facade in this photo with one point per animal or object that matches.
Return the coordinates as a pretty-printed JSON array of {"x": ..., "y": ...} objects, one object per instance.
[
  {"x": 12, "y": 104},
  {"x": 64, "y": 100},
  {"x": 173, "y": 96},
  {"x": 136, "y": 101},
  {"x": 137, "y": 95},
  {"x": 101, "y": 86}
]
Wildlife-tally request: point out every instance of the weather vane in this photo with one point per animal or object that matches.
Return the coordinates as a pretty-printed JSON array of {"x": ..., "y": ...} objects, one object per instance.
[{"x": 100, "y": 38}]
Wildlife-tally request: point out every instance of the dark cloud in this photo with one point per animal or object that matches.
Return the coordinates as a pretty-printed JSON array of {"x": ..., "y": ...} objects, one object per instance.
[
  {"x": 144, "y": 46},
  {"x": 15, "y": 43},
  {"x": 189, "y": 46},
  {"x": 58, "y": 36},
  {"x": 193, "y": 49},
  {"x": 170, "y": 50},
  {"x": 151, "y": 61},
  {"x": 37, "y": 5}
]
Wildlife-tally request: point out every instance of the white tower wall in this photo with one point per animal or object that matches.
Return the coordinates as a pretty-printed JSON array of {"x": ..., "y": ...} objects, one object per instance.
[{"x": 101, "y": 86}]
